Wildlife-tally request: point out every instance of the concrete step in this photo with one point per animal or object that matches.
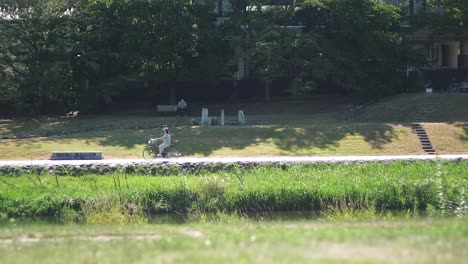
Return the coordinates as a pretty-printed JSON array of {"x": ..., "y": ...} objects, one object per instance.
[
  {"x": 76, "y": 155},
  {"x": 426, "y": 144}
]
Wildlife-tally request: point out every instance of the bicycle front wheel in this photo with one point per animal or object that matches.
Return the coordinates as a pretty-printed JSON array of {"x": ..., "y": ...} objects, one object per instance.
[
  {"x": 173, "y": 152},
  {"x": 149, "y": 153}
]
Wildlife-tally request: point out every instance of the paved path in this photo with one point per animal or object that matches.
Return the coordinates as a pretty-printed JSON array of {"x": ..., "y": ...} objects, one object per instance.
[{"x": 282, "y": 159}]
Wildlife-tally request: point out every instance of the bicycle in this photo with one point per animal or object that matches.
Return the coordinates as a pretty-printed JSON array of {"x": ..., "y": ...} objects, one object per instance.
[{"x": 151, "y": 150}]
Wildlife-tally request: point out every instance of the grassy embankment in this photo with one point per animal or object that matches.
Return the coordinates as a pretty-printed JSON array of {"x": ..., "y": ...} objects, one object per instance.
[
  {"x": 342, "y": 234},
  {"x": 321, "y": 126},
  {"x": 121, "y": 197}
]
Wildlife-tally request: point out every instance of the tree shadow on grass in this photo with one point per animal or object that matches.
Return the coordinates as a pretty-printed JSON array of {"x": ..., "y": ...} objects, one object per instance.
[
  {"x": 206, "y": 140},
  {"x": 464, "y": 126},
  {"x": 325, "y": 137},
  {"x": 33, "y": 126}
]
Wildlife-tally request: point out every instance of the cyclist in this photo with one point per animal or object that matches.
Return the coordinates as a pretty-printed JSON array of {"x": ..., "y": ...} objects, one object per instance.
[{"x": 166, "y": 139}]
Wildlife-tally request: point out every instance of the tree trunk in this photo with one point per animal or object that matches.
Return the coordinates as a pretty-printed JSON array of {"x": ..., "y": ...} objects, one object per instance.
[
  {"x": 172, "y": 99},
  {"x": 267, "y": 90},
  {"x": 463, "y": 63},
  {"x": 235, "y": 92}
]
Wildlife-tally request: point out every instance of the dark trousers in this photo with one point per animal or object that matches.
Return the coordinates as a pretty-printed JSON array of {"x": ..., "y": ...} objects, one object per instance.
[{"x": 182, "y": 111}]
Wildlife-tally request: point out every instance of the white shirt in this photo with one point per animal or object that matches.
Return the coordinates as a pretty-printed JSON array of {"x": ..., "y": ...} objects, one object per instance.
[
  {"x": 182, "y": 104},
  {"x": 167, "y": 138}
]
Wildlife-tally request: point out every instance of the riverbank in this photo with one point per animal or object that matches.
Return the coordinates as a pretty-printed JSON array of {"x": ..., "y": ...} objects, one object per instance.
[{"x": 131, "y": 194}]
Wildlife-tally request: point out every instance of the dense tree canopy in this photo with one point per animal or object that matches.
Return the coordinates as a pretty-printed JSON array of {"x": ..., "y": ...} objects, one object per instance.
[
  {"x": 447, "y": 19},
  {"x": 57, "y": 55},
  {"x": 452, "y": 21},
  {"x": 35, "y": 52}
]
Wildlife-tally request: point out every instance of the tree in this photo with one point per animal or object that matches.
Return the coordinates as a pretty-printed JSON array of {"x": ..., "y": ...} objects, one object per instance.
[
  {"x": 449, "y": 19},
  {"x": 164, "y": 37},
  {"x": 357, "y": 46},
  {"x": 269, "y": 57},
  {"x": 362, "y": 44},
  {"x": 262, "y": 36},
  {"x": 453, "y": 19},
  {"x": 100, "y": 58},
  {"x": 34, "y": 61}
]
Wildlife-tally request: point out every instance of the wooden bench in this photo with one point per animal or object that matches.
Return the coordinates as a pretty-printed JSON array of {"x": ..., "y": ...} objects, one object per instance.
[{"x": 166, "y": 108}]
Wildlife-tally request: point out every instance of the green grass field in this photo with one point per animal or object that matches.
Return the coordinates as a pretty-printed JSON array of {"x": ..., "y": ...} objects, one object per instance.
[
  {"x": 324, "y": 126},
  {"x": 407, "y": 240}
]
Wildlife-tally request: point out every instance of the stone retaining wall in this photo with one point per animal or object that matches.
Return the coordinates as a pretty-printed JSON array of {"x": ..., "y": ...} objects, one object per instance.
[{"x": 160, "y": 169}]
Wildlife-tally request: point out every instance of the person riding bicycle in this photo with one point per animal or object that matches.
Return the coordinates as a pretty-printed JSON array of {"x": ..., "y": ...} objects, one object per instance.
[{"x": 166, "y": 139}]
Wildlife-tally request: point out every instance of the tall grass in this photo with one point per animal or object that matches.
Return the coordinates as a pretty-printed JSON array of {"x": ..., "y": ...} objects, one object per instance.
[{"x": 439, "y": 186}]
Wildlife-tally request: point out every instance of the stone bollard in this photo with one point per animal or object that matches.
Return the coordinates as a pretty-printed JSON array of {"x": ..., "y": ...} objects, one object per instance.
[
  {"x": 205, "y": 121},
  {"x": 213, "y": 121},
  {"x": 241, "y": 117},
  {"x": 222, "y": 117}
]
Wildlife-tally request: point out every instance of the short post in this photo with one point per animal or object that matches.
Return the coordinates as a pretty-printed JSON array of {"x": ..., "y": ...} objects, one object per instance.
[
  {"x": 428, "y": 87},
  {"x": 205, "y": 121},
  {"x": 213, "y": 121},
  {"x": 241, "y": 117},
  {"x": 222, "y": 117}
]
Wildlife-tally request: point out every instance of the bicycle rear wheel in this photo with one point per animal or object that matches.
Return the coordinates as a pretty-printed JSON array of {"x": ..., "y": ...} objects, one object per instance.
[
  {"x": 173, "y": 151},
  {"x": 149, "y": 152}
]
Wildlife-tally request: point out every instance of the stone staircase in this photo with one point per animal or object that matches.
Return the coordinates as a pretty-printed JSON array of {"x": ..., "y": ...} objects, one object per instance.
[{"x": 423, "y": 138}]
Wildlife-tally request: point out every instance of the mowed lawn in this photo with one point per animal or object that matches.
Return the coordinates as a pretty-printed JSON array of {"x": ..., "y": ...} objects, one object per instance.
[
  {"x": 261, "y": 140},
  {"x": 408, "y": 240},
  {"x": 300, "y": 127}
]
